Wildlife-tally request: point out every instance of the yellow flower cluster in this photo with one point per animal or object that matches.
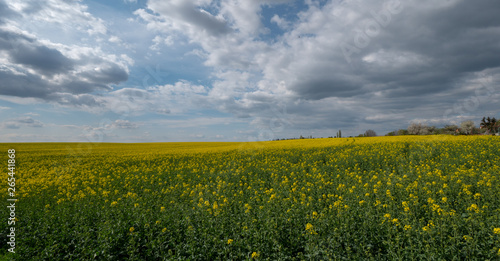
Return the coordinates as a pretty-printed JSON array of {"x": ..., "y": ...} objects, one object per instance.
[{"x": 416, "y": 186}]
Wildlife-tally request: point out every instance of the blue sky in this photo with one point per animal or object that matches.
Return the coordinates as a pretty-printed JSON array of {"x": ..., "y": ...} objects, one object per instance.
[{"x": 227, "y": 70}]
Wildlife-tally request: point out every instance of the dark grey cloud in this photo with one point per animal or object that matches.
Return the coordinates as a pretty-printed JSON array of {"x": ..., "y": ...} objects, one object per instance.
[
  {"x": 84, "y": 75},
  {"x": 27, "y": 51},
  {"x": 50, "y": 71},
  {"x": 23, "y": 85},
  {"x": 46, "y": 60},
  {"x": 320, "y": 88},
  {"x": 187, "y": 13},
  {"x": 6, "y": 12},
  {"x": 108, "y": 73}
]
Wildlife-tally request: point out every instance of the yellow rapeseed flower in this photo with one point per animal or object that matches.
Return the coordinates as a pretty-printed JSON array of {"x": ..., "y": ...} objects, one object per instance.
[
  {"x": 474, "y": 208},
  {"x": 131, "y": 229},
  {"x": 255, "y": 255},
  {"x": 496, "y": 230},
  {"x": 229, "y": 241},
  {"x": 309, "y": 226}
]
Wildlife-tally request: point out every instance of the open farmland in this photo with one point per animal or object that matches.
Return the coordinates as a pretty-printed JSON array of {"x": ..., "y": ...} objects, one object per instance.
[{"x": 410, "y": 197}]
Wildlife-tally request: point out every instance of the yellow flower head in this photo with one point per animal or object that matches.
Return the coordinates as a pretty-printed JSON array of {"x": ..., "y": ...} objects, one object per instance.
[
  {"x": 255, "y": 255},
  {"x": 164, "y": 230},
  {"x": 162, "y": 209},
  {"x": 229, "y": 241},
  {"x": 131, "y": 229},
  {"x": 496, "y": 230},
  {"x": 473, "y": 207},
  {"x": 309, "y": 226}
]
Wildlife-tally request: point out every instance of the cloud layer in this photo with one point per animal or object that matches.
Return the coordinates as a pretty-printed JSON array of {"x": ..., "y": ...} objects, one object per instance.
[
  {"x": 54, "y": 72},
  {"x": 344, "y": 63},
  {"x": 286, "y": 67}
]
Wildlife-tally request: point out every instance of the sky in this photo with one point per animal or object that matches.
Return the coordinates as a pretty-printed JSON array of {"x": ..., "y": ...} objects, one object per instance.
[{"x": 246, "y": 70}]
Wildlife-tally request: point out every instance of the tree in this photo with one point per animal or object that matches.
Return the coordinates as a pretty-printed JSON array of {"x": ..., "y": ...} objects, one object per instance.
[
  {"x": 432, "y": 130},
  {"x": 450, "y": 129},
  {"x": 339, "y": 134},
  {"x": 402, "y": 132},
  {"x": 370, "y": 133},
  {"x": 392, "y": 133},
  {"x": 467, "y": 127},
  {"x": 488, "y": 124},
  {"x": 418, "y": 129}
]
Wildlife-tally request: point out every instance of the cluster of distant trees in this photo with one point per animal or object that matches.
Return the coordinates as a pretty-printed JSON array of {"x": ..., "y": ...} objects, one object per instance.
[{"x": 487, "y": 126}]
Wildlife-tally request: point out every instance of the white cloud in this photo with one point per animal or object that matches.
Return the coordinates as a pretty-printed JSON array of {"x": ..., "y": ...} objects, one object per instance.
[
  {"x": 160, "y": 41},
  {"x": 124, "y": 124},
  {"x": 67, "y": 15},
  {"x": 114, "y": 39},
  {"x": 21, "y": 122},
  {"x": 282, "y": 23}
]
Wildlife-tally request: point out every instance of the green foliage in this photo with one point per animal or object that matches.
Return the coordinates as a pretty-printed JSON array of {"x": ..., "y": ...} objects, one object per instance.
[{"x": 384, "y": 198}]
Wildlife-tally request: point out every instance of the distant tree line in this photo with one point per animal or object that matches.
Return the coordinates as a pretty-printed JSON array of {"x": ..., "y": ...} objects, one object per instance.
[{"x": 487, "y": 126}]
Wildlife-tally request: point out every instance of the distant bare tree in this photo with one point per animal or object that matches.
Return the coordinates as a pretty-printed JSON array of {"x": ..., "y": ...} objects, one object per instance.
[{"x": 370, "y": 133}]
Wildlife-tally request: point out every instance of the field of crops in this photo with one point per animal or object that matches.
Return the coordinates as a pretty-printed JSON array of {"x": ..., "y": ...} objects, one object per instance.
[{"x": 396, "y": 198}]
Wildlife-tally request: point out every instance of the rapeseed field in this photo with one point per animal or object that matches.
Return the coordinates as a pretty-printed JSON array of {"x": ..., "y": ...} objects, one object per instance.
[{"x": 382, "y": 198}]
